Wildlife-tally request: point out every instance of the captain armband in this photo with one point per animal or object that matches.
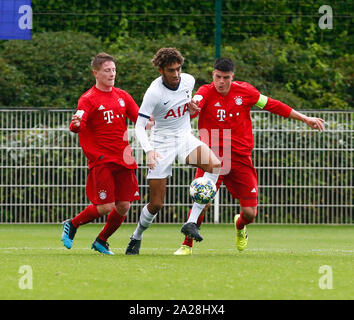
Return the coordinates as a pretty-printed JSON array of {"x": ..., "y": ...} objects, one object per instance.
[{"x": 262, "y": 101}]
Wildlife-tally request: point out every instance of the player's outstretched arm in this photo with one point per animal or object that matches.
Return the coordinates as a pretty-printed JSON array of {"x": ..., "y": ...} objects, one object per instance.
[{"x": 312, "y": 122}]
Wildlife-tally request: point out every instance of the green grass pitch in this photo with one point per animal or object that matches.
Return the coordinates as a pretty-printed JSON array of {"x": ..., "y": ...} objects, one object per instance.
[{"x": 281, "y": 262}]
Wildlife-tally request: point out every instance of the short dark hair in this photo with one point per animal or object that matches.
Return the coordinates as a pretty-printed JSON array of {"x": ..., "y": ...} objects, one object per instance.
[
  {"x": 224, "y": 64},
  {"x": 99, "y": 59},
  {"x": 166, "y": 56}
]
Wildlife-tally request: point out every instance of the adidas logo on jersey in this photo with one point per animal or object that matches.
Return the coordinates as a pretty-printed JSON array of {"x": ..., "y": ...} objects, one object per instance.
[
  {"x": 253, "y": 190},
  {"x": 101, "y": 107},
  {"x": 217, "y": 104}
]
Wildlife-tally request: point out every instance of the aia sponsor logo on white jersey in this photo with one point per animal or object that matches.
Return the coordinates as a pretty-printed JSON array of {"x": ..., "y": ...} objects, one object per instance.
[
  {"x": 177, "y": 113},
  {"x": 169, "y": 107}
]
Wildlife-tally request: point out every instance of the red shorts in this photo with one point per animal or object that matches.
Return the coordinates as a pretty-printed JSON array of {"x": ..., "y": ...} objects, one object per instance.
[
  {"x": 241, "y": 181},
  {"x": 111, "y": 182}
]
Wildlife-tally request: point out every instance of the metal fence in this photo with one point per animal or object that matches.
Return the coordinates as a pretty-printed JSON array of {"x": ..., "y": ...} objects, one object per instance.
[{"x": 304, "y": 176}]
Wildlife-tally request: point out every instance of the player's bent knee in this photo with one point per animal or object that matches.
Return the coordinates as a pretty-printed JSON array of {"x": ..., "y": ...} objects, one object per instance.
[
  {"x": 250, "y": 212},
  {"x": 154, "y": 207},
  {"x": 123, "y": 207},
  {"x": 106, "y": 208}
]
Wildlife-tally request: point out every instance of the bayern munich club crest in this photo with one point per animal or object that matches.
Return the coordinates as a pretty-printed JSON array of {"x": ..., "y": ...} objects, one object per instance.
[
  {"x": 238, "y": 101},
  {"x": 121, "y": 102},
  {"x": 102, "y": 194}
]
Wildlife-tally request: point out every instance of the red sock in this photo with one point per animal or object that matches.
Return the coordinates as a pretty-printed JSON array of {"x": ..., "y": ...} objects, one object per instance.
[
  {"x": 242, "y": 221},
  {"x": 114, "y": 220},
  {"x": 87, "y": 215},
  {"x": 189, "y": 241}
]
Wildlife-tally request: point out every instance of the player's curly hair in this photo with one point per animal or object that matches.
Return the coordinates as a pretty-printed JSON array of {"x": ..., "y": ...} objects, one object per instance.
[
  {"x": 167, "y": 56},
  {"x": 99, "y": 59}
]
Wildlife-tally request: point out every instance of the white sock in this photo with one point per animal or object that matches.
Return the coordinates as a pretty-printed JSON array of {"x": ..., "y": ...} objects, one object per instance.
[
  {"x": 195, "y": 212},
  {"x": 145, "y": 220},
  {"x": 212, "y": 176},
  {"x": 198, "y": 208}
]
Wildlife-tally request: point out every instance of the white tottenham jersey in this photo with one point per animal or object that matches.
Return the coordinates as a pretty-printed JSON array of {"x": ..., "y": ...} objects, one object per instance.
[{"x": 169, "y": 107}]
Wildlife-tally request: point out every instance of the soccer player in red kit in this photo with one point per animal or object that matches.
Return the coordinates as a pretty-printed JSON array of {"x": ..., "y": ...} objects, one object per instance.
[
  {"x": 100, "y": 121},
  {"x": 225, "y": 126}
]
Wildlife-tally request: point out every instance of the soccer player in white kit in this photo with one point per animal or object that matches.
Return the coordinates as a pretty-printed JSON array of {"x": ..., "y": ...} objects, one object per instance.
[{"x": 167, "y": 100}]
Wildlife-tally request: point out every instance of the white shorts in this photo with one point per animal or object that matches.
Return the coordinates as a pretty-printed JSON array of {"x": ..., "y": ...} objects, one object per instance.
[{"x": 169, "y": 149}]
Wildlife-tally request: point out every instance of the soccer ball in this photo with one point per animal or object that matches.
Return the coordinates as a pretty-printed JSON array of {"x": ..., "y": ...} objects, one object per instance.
[{"x": 202, "y": 190}]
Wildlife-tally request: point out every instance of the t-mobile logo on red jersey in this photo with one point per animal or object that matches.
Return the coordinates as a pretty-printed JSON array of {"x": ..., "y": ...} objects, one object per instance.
[
  {"x": 179, "y": 112},
  {"x": 108, "y": 116},
  {"x": 221, "y": 114}
]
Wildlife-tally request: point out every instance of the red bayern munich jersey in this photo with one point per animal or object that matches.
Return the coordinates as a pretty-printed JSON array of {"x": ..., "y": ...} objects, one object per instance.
[
  {"x": 103, "y": 132},
  {"x": 232, "y": 112}
]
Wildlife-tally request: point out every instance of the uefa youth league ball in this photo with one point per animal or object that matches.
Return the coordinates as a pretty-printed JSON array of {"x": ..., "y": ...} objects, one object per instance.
[{"x": 202, "y": 190}]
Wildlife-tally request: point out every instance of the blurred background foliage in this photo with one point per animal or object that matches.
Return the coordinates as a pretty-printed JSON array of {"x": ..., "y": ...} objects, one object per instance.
[{"x": 277, "y": 46}]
